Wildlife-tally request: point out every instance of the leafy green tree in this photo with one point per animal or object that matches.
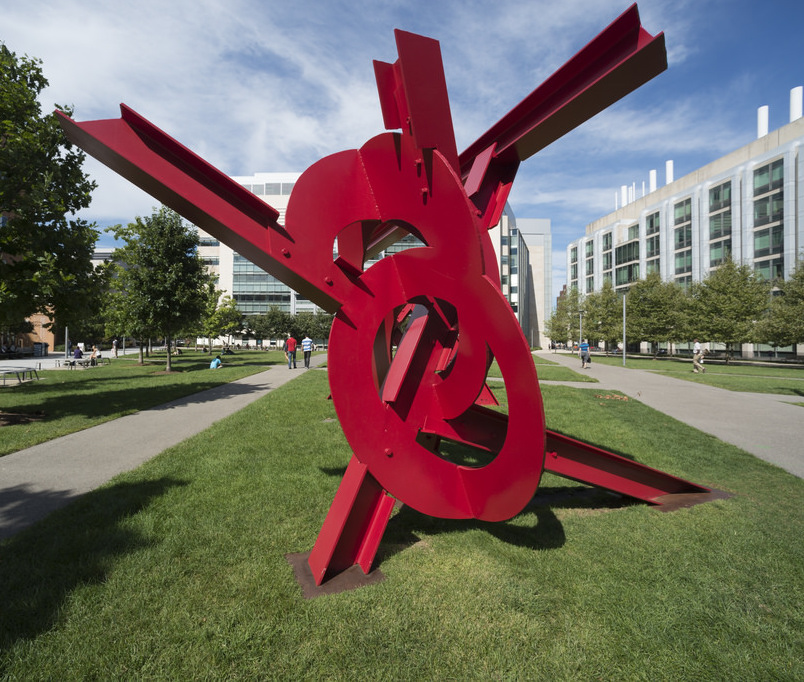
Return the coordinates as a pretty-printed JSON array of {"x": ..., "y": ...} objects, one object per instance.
[
  {"x": 728, "y": 305},
  {"x": 225, "y": 320},
  {"x": 564, "y": 322},
  {"x": 604, "y": 316},
  {"x": 275, "y": 324},
  {"x": 162, "y": 282},
  {"x": 45, "y": 255},
  {"x": 784, "y": 323},
  {"x": 655, "y": 311}
]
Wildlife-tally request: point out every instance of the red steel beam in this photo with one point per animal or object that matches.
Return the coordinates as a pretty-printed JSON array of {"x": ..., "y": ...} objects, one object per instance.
[{"x": 586, "y": 463}]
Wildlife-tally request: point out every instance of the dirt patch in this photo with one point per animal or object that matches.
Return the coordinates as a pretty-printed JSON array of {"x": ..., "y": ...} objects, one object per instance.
[{"x": 14, "y": 418}]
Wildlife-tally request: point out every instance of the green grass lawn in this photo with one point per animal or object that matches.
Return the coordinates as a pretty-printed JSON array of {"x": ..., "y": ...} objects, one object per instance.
[
  {"x": 547, "y": 371},
  {"x": 64, "y": 401},
  {"x": 176, "y": 570},
  {"x": 747, "y": 378}
]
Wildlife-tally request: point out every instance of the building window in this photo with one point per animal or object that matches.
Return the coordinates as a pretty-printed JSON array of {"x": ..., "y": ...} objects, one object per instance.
[
  {"x": 682, "y": 212},
  {"x": 768, "y": 216},
  {"x": 608, "y": 261},
  {"x": 652, "y": 266},
  {"x": 574, "y": 254},
  {"x": 770, "y": 269},
  {"x": 769, "y": 177},
  {"x": 769, "y": 209},
  {"x": 626, "y": 274},
  {"x": 768, "y": 241},
  {"x": 719, "y": 252},
  {"x": 652, "y": 246},
  {"x": 720, "y": 225},
  {"x": 633, "y": 232},
  {"x": 590, "y": 285},
  {"x": 627, "y": 252},
  {"x": 720, "y": 197},
  {"x": 683, "y": 236},
  {"x": 590, "y": 249},
  {"x": 607, "y": 241},
  {"x": 652, "y": 223},
  {"x": 683, "y": 262}
]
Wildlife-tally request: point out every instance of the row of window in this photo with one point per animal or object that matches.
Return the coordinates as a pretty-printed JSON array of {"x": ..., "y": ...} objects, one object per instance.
[
  {"x": 768, "y": 242},
  {"x": 271, "y": 188}
]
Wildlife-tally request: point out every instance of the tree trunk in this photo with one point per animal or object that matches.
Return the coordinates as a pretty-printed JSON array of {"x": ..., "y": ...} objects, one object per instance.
[{"x": 167, "y": 343}]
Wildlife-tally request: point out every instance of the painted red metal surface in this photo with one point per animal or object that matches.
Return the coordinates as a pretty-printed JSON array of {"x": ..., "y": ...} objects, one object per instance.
[{"x": 415, "y": 333}]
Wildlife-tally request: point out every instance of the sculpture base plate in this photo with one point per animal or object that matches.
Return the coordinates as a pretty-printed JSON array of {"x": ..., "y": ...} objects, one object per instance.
[{"x": 350, "y": 579}]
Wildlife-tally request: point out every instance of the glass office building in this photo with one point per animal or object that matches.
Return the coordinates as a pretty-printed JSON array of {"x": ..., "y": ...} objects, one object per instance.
[{"x": 747, "y": 205}]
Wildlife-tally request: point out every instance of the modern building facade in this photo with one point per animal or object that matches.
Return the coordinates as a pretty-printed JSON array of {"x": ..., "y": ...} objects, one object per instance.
[
  {"x": 523, "y": 257},
  {"x": 747, "y": 205}
]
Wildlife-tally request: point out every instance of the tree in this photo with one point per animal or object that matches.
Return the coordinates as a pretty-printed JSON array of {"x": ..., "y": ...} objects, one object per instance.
[
  {"x": 225, "y": 320},
  {"x": 655, "y": 311},
  {"x": 274, "y": 324},
  {"x": 784, "y": 323},
  {"x": 162, "y": 282},
  {"x": 562, "y": 324},
  {"x": 728, "y": 305},
  {"x": 45, "y": 256},
  {"x": 604, "y": 316}
]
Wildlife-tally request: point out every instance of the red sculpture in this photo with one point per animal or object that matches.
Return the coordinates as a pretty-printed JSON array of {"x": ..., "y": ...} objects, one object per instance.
[{"x": 415, "y": 333}]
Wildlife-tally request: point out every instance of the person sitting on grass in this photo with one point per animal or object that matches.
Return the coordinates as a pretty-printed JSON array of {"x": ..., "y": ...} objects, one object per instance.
[{"x": 216, "y": 363}]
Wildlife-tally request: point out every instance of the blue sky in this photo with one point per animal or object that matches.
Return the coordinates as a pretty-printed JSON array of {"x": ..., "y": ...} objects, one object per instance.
[{"x": 274, "y": 86}]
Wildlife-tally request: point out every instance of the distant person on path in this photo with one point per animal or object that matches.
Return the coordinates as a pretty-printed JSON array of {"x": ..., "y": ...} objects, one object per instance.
[
  {"x": 307, "y": 349},
  {"x": 114, "y": 347},
  {"x": 583, "y": 351},
  {"x": 697, "y": 358},
  {"x": 216, "y": 363},
  {"x": 290, "y": 351}
]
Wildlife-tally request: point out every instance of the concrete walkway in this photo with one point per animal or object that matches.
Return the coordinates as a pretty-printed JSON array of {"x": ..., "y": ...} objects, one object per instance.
[
  {"x": 767, "y": 426},
  {"x": 43, "y": 478}
]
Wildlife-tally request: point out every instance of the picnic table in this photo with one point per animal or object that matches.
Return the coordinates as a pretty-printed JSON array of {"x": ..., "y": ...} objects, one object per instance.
[
  {"x": 72, "y": 363},
  {"x": 20, "y": 372}
]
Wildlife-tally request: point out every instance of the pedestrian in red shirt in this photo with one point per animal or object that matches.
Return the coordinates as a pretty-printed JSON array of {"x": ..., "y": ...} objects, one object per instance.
[{"x": 290, "y": 351}]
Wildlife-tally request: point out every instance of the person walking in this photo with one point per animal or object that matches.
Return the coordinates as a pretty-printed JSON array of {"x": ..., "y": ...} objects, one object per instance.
[
  {"x": 583, "y": 351},
  {"x": 697, "y": 357},
  {"x": 290, "y": 351},
  {"x": 307, "y": 349}
]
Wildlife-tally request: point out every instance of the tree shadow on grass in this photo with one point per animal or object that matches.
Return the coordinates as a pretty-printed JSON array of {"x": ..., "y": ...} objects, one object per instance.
[
  {"x": 75, "y": 546},
  {"x": 97, "y": 401}
]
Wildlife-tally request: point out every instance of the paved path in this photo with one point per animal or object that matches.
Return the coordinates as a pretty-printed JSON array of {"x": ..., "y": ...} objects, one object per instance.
[
  {"x": 767, "y": 426},
  {"x": 43, "y": 478}
]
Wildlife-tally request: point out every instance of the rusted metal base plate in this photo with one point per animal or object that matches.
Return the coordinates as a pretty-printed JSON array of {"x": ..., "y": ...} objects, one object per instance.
[
  {"x": 350, "y": 579},
  {"x": 667, "y": 503}
]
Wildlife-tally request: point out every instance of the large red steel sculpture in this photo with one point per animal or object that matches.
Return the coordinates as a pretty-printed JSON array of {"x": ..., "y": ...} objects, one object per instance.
[{"x": 414, "y": 334}]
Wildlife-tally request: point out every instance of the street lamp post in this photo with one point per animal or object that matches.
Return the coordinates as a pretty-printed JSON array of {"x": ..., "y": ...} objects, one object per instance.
[
  {"x": 580, "y": 327},
  {"x": 624, "y": 295}
]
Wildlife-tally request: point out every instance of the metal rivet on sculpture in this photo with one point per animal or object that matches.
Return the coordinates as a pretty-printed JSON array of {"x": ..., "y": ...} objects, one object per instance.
[{"x": 415, "y": 333}]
